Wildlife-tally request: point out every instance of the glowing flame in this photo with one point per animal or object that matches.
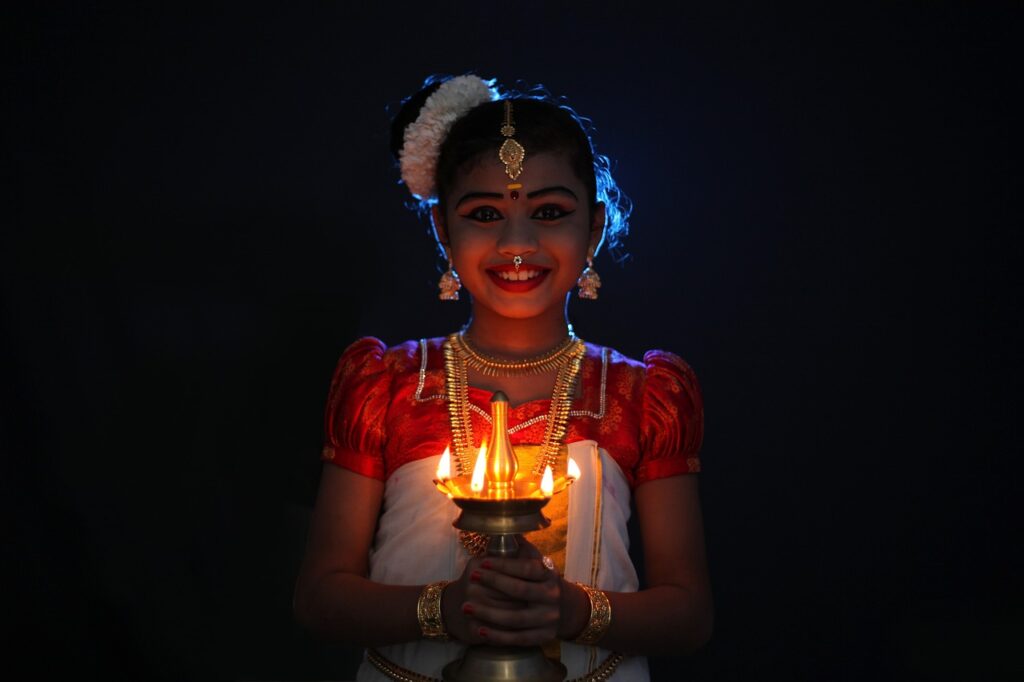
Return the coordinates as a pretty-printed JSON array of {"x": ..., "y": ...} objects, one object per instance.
[
  {"x": 479, "y": 469},
  {"x": 547, "y": 484},
  {"x": 574, "y": 470},
  {"x": 444, "y": 467}
]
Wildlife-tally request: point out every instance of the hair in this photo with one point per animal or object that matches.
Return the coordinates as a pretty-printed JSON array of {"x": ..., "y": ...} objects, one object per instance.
[{"x": 543, "y": 124}]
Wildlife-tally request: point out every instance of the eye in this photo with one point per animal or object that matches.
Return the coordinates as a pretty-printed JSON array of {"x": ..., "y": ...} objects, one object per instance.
[
  {"x": 550, "y": 212},
  {"x": 484, "y": 214}
]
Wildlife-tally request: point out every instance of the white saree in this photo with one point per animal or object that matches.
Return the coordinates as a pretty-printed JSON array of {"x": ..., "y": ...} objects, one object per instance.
[{"x": 416, "y": 544}]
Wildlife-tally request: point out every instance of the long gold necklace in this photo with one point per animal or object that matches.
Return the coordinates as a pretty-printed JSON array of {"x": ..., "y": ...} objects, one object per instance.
[
  {"x": 493, "y": 367},
  {"x": 457, "y": 363},
  {"x": 457, "y": 388}
]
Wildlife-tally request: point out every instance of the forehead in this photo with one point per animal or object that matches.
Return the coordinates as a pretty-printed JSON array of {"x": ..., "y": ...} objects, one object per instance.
[{"x": 545, "y": 169}]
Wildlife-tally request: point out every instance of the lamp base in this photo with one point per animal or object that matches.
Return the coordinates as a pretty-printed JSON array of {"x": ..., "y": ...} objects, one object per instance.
[{"x": 484, "y": 663}]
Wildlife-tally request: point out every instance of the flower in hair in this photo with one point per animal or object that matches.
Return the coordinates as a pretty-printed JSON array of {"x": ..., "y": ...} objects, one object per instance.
[{"x": 423, "y": 137}]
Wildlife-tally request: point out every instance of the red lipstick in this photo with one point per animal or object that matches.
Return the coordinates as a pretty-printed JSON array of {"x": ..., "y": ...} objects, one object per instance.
[{"x": 536, "y": 276}]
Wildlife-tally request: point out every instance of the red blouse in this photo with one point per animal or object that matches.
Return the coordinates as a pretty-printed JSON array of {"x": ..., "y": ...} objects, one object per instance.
[{"x": 387, "y": 407}]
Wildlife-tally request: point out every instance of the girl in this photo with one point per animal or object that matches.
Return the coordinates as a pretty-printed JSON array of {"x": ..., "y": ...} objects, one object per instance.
[{"x": 520, "y": 206}]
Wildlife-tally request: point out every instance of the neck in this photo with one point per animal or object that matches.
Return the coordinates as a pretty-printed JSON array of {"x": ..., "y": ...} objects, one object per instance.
[{"x": 515, "y": 339}]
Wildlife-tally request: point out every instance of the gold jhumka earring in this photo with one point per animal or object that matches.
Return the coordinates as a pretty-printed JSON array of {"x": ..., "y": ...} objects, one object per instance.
[
  {"x": 589, "y": 281},
  {"x": 449, "y": 283}
]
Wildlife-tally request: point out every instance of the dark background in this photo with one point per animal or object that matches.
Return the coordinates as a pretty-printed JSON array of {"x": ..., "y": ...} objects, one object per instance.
[{"x": 202, "y": 214}]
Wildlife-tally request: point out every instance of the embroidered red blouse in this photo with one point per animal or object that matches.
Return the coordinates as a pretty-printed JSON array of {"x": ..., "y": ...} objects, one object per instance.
[{"x": 387, "y": 407}]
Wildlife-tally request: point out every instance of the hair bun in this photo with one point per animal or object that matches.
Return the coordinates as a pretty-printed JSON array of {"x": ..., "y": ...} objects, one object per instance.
[
  {"x": 410, "y": 109},
  {"x": 426, "y": 124}
]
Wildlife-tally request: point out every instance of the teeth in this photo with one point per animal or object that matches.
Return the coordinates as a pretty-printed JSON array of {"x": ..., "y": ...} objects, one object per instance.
[{"x": 520, "y": 276}]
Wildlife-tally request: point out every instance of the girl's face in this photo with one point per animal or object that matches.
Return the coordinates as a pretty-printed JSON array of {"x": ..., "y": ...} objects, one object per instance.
[{"x": 549, "y": 226}]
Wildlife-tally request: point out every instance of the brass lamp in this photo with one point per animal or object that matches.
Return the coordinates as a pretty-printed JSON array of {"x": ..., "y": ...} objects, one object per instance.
[{"x": 500, "y": 501}]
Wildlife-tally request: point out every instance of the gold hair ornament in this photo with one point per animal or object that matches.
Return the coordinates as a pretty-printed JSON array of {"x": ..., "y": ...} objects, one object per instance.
[{"x": 511, "y": 153}]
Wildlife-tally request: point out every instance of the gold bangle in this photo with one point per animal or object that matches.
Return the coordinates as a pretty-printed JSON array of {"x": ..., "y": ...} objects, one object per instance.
[
  {"x": 600, "y": 616},
  {"x": 428, "y": 611}
]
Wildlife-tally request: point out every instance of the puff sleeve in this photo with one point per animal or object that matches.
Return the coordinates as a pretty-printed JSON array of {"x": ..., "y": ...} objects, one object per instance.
[
  {"x": 357, "y": 404},
  {"x": 672, "y": 420}
]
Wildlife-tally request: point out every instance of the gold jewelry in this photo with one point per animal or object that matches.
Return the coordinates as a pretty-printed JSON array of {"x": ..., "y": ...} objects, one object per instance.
[
  {"x": 456, "y": 360},
  {"x": 511, "y": 153},
  {"x": 428, "y": 611},
  {"x": 493, "y": 367},
  {"x": 589, "y": 281},
  {"x": 600, "y": 616},
  {"x": 449, "y": 283}
]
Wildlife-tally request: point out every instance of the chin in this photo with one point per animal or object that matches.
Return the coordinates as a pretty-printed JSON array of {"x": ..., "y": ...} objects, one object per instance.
[{"x": 523, "y": 309}]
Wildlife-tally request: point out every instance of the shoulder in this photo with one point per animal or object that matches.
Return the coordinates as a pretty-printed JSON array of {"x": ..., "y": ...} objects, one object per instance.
[
  {"x": 370, "y": 353},
  {"x": 368, "y": 362},
  {"x": 661, "y": 365},
  {"x": 668, "y": 368}
]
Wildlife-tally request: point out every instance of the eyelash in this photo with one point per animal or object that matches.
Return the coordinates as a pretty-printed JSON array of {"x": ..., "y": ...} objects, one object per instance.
[{"x": 473, "y": 215}]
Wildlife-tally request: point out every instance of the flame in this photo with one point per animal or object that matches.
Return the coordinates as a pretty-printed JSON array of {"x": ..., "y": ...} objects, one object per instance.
[
  {"x": 574, "y": 472},
  {"x": 547, "y": 484},
  {"x": 479, "y": 469},
  {"x": 444, "y": 467}
]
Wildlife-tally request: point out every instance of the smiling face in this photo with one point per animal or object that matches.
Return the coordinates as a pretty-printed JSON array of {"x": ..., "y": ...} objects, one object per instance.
[{"x": 550, "y": 227}]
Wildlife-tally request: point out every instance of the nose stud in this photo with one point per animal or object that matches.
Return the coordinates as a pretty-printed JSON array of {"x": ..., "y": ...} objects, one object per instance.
[{"x": 517, "y": 261}]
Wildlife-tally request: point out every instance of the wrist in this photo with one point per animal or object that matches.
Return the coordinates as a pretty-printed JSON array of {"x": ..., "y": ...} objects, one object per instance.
[
  {"x": 600, "y": 617},
  {"x": 429, "y": 611},
  {"x": 574, "y": 609}
]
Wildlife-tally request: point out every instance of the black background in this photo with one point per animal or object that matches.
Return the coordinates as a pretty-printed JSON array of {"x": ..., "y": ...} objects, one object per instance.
[{"x": 202, "y": 214}]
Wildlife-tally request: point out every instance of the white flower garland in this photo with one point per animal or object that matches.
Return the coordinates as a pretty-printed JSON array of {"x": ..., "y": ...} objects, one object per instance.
[{"x": 421, "y": 144}]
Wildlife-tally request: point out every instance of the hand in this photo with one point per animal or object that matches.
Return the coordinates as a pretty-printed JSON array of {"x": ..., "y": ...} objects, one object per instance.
[{"x": 513, "y": 601}]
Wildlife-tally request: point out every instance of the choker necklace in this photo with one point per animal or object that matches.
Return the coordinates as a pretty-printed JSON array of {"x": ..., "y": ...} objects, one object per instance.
[{"x": 556, "y": 358}]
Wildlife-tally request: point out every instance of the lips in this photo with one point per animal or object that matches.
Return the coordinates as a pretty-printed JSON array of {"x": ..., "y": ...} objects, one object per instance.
[{"x": 529, "y": 277}]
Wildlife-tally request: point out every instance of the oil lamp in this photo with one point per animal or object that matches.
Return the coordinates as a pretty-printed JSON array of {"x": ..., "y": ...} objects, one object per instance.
[{"x": 501, "y": 501}]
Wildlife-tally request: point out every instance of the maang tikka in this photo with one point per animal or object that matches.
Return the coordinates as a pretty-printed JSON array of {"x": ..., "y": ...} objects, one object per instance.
[
  {"x": 449, "y": 283},
  {"x": 511, "y": 153}
]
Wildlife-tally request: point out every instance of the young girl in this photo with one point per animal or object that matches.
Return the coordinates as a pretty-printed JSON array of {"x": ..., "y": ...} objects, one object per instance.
[{"x": 520, "y": 206}]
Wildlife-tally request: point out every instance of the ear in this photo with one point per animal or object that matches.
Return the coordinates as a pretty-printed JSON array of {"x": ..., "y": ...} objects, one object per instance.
[
  {"x": 597, "y": 228},
  {"x": 440, "y": 229}
]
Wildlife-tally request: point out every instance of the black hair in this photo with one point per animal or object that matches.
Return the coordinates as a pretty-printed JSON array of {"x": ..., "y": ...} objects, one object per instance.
[{"x": 543, "y": 124}]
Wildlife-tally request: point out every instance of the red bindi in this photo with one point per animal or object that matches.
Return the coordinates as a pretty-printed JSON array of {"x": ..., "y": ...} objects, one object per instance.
[{"x": 515, "y": 194}]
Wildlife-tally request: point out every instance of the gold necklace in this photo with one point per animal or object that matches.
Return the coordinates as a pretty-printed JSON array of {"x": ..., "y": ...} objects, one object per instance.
[
  {"x": 456, "y": 365},
  {"x": 490, "y": 366},
  {"x": 457, "y": 389}
]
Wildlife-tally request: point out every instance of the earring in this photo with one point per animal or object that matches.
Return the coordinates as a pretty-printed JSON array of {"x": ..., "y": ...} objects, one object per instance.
[
  {"x": 449, "y": 283},
  {"x": 589, "y": 281}
]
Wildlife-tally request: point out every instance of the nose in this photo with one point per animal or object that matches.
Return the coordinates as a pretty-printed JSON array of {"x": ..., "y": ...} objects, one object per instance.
[{"x": 518, "y": 237}]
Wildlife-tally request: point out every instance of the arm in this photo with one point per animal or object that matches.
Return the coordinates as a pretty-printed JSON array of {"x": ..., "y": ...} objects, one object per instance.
[
  {"x": 674, "y": 615},
  {"x": 334, "y": 599}
]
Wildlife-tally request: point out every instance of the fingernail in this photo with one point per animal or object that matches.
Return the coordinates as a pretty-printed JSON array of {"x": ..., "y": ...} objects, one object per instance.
[
  {"x": 467, "y": 608},
  {"x": 486, "y": 563},
  {"x": 482, "y": 632},
  {"x": 475, "y": 576}
]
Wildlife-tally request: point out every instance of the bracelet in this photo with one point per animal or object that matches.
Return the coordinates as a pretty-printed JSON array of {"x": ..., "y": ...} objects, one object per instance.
[
  {"x": 428, "y": 611},
  {"x": 600, "y": 616}
]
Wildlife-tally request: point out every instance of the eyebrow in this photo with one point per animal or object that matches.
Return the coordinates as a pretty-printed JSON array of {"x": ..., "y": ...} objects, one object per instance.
[
  {"x": 478, "y": 195},
  {"x": 557, "y": 189}
]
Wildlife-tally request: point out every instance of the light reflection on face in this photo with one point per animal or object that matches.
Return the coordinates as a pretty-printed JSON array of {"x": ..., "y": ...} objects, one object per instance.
[{"x": 549, "y": 226}]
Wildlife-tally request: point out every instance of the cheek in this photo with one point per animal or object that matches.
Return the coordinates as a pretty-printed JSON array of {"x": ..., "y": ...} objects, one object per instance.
[{"x": 469, "y": 249}]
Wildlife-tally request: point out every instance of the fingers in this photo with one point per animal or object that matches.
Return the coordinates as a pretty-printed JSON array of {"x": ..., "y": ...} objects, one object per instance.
[
  {"x": 532, "y": 568},
  {"x": 527, "y": 581},
  {"x": 532, "y": 617},
  {"x": 520, "y": 627}
]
